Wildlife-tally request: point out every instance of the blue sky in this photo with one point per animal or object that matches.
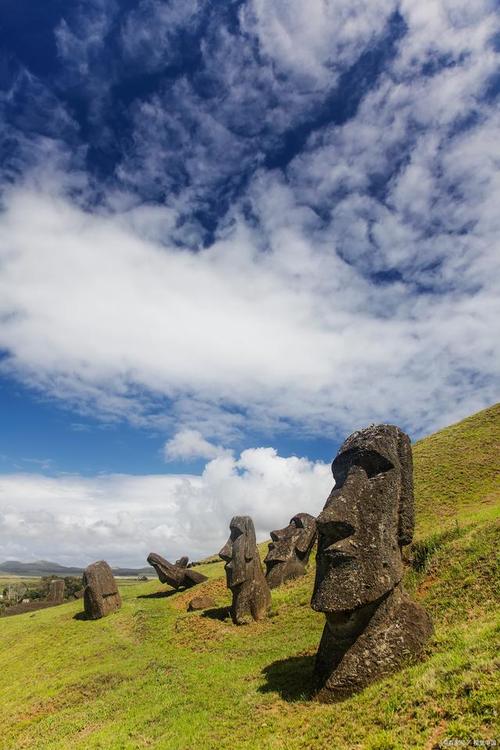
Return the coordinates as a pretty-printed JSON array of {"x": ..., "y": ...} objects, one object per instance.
[{"x": 230, "y": 234}]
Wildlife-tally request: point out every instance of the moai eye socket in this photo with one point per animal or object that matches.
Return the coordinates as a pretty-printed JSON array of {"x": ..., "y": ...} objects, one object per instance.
[
  {"x": 333, "y": 531},
  {"x": 372, "y": 462},
  {"x": 235, "y": 533}
]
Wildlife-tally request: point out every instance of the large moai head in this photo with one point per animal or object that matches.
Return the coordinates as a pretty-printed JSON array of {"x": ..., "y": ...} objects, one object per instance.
[
  {"x": 289, "y": 549},
  {"x": 244, "y": 575},
  {"x": 100, "y": 595},
  {"x": 367, "y": 518},
  {"x": 240, "y": 551},
  {"x": 372, "y": 626}
]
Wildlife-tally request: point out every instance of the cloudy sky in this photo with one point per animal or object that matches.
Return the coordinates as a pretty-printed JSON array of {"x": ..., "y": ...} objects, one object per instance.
[{"x": 230, "y": 234}]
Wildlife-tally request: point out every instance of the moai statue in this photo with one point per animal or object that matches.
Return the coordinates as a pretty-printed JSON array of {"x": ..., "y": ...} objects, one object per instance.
[
  {"x": 179, "y": 576},
  {"x": 100, "y": 594},
  {"x": 244, "y": 574},
  {"x": 56, "y": 591},
  {"x": 290, "y": 549},
  {"x": 372, "y": 626}
]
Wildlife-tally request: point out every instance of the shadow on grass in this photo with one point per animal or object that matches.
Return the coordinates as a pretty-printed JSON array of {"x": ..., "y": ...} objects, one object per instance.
[
  {"x": 291, "y": 678},
  {"x": 218, "y": 613},
  {"x": 81, "y": 616},
  {"x": 158, "y": 594}
]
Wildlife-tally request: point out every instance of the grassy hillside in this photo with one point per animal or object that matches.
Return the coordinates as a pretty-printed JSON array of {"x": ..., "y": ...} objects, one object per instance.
[
  {"x": 154, "y": 676},
  {"x": 457, "y": 471}
]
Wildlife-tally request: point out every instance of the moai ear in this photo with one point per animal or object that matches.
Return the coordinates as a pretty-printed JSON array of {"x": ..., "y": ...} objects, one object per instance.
[
  {"x": 250, "y": 540},
  {"x": 308, "y": 534},
  {"x": 406, "y": 497}
]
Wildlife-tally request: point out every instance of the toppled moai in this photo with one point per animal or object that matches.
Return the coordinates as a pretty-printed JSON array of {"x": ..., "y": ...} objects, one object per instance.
[
  {"x": 289, "y": 550},
  {"x": 372, "y": 626},
  {"x": 56, "y": 591},
  {"x": 100, "y": 594},
  {"x": 244, "y": 574},
  {"x": 179, "y": 576}
]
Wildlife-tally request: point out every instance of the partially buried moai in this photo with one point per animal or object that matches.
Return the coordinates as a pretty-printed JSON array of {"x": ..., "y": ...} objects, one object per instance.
[
  {"x": 56, "y": 591},
  {"x": 244, "y": 574},
  {"x": 289, "y": 550},
  {"x": 100, "y": 594},
  {"x": 372, "y": 626}
]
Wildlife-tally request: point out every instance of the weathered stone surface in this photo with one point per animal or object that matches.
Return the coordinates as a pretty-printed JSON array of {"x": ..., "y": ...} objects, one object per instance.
[
  {"x": 56, "y": 591},
  {"x": 182, "y": 562},
  {"x": 100, "y": 595},
  {"x": 290, "y": 549},
  {"x": 244, "y": 574},
  {"x": 177, "y": 576},
  {"x": 201, "y": 602},
  {"x": 372, "y": 626}
]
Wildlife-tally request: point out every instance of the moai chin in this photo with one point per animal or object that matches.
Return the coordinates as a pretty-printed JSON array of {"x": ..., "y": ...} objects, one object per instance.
[
  {"x": 100, "y": 595},
  {"x": 372, "y": 626},
  {"x": 179, "y": 576},
  {"x": 289, "y": 550},
  {"x": 244, "y": 575}
]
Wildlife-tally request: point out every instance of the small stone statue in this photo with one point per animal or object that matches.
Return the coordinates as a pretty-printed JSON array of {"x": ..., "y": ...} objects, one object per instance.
[
  {"x": 100, "y": 595},
  {"x": 290, "y": 549},
  {"x": 244, "y": 575},
  {"x": 56, "y": 591},
  {"x": 179, "y": 576},
  {"x": 372, "y": 626}
]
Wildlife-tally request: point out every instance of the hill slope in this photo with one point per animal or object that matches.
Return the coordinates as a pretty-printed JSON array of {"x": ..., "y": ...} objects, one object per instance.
[
  {"x": 155, "y": 676},
  {"x": 457, "y": 471}
]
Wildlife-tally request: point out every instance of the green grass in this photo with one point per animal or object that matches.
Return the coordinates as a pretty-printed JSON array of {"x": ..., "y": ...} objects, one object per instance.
[
  {"x": 457, "y": 472},
  {"x": 154, "y": 676}
]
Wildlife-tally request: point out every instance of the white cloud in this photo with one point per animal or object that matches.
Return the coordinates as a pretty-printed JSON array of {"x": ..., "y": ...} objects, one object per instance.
[
  {"x": 189, "y": 444},
  {"x": 149, "y": 31},
  {"x": 73, "y": 519},
  {"x": 363, "y": 287},
  {"x": 95, "y": 314},
  {"x": 317, "y": 38},
  {"x": 80, "y": 43}
]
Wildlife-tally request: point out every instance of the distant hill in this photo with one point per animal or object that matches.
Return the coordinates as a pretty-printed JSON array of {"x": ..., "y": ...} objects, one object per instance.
[{"x": 40, "y": 568}]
